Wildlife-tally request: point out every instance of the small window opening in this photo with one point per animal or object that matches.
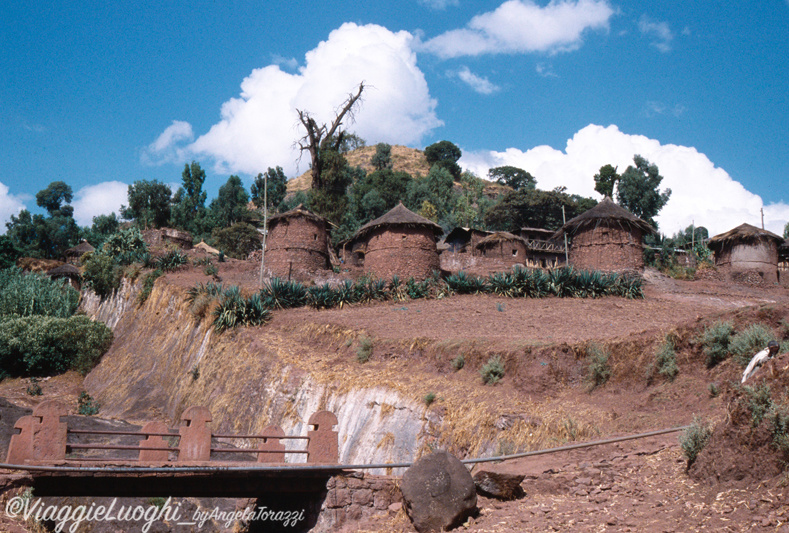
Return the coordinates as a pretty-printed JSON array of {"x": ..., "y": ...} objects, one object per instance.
[{"x": 514, "y": 253}]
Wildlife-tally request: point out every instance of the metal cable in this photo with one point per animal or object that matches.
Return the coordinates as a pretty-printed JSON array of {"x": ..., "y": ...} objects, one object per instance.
[{"x": 320, "y": 468}]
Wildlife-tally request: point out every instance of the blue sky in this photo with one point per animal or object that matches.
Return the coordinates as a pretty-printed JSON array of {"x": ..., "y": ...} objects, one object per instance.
[{"x": 101, "y": 94}]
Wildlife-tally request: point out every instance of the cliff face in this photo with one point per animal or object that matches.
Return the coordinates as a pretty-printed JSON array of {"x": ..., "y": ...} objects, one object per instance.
[{"x": 248, "y": 378}]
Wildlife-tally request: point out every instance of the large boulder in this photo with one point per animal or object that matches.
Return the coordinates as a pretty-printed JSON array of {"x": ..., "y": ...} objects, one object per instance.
[{"x": 438, "y": 492}]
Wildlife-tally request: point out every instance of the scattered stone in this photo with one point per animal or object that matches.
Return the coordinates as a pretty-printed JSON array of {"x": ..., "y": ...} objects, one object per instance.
[
  {"x": 438, "y": 492},
  {"x": 395, "y": 508},
  {"x": 500, "y": 486}
]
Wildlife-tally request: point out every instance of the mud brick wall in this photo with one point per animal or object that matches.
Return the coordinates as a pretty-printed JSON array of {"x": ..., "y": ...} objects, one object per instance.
[
  {"x": 296, "y": 244},
  {"x": 741, "y": 258},
  {"x": 606, "y": 248},
  {"x": 350, "y": 498},
  {"x": 401, "y": 251},
  {"x": 504, "y": 255}
]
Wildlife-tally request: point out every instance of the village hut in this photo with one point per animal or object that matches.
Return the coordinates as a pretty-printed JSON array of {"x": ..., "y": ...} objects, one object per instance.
[
  {"x": 607, "y": 238},
  {"x": 502, "y": 250},
  {"x": 297, "y": 242},
  {"x": 543, "y": 251},
  {"x": 74, "y": 255},
  {"x": 464, "y": 240},
  {"x": 68, "y": 271},
  {"x": 747, "y": 250},
  {"x": 399, "y": 243}
]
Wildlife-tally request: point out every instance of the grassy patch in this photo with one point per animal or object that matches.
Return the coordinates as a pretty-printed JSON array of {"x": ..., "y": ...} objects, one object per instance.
[
  {"x": 492, "y": 371},
  {"x": 598, "y": 372},
  {"x": 694, "y": 438},
  {"x": 365, "y": 350},
  {"x": 715, "y": 342},
  {"x": 664, "y": 364},
  {"x": 748, "y": 342}
]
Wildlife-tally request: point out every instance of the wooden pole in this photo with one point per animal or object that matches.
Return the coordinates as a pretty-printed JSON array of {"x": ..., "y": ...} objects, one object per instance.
[
  {"x": 566, "y": 253},
  {"x": 265, "y": 228}
]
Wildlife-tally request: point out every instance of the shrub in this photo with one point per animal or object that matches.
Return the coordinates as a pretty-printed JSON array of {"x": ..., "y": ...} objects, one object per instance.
[
  {"x": 147, "y": 285},
  {"x": 492, "y": 371},
  {"x": 714, "y": 391},
  {"x": 211, "y": 270},
  {"x": 715, "y": 342},
  {"x": 124, "y": 246},
  {"x": 749, "y": 341},
  {"x": 780, "y": 429},
  {"x": 195, "y": 372},
  {"x": 758, "y": 402},
  {"x": 365, "y": 350},
  {"x": 694, "y": 438},
  {"x": 665, "y": 363},
  {"x": 417, "y": 289},
  {"x": 34, "y": 388},
  {"x": 35, "y": 294},
  {"x": 598, "y": 372},
  {"x": 41, "y": 346},
  {"x": 101, "y": 274},
  {"x": 429, "y": 398},
  {"x": 458, "y": 362},
  {"x": 86, "y": 405}
]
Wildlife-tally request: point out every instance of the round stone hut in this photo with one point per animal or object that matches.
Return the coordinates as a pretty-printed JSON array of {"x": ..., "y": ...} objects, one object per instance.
[
  {"x": 74, "y": 255},
  {"x": 747, "y": 250},
  {"x": 608, "y": 238},
  {"x": 400, "y": 243},
  {"x": 297, "y": 242}
]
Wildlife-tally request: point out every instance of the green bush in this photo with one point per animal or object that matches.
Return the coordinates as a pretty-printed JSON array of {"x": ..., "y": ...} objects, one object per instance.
[
  {"x": 748, "y": 342},
  {"x": 238, "y": 241},
  {"x": 35, "y": 294},
  {"x": 694, "y": 438},
  {"x": 365, "y": 350},
  {"x": 458, "y": 362},
  {"x": 171, "y": 261},
  {"x": 597, "y": 372},
  {"x": 492, "y": 371},
  {"x": 147, "y": 285},
  {"x": 124, "y": 246},
  {"x": 86, "y": 405},
  {"x": 758, "y": 401},
  {"x": 715, "y": 342},
  {"x": 429, "y": 398},
  {"x": 780, "y": 422},
  {"x": 42, "y": 346},
  {"x": 101, "y": 273},
  {"x": 665, "y": 363}
]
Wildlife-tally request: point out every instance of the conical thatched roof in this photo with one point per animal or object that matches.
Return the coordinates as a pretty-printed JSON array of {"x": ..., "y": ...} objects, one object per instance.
[
  {"x": 499, "y": 237},
  {"x": 399, "y": 216},
  {"x": 67, "y": 270},
  {"x": 298, "y": 211},
  {"x": 743, "y": 233},
  {"x": 605, "y": 213},
  {"x": 79, "y": 249}
]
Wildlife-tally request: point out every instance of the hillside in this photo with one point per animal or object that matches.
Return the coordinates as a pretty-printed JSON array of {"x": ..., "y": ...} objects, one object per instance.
[{"x": 306, "y": 358}]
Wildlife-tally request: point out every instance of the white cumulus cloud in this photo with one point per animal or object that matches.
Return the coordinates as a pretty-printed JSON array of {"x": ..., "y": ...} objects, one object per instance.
[
  {"x": 9, "y": 205},
  {"x": 477, "y": 83},
  {"x": 701, "y": 192},
  {"x": 167, "y": 147},
  {"x": 258, "y": 128},
  {"x": 520, "y": 26},
  {"x": 100, "y": 199}
]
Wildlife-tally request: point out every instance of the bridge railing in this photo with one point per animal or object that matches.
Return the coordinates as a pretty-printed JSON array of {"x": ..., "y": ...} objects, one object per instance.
[{"x": 43, "y": 437}]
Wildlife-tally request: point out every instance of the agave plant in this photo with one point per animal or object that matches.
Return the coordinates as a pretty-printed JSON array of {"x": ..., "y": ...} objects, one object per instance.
[
  {"x": 537, "y": 284},
  {"x": 561, "y": 281},
  {"x": 369, "y": 290},
  {"x": 417, "y": 289},
  {"x": 462, "y": 283},
  {"x": 397, "y": 290},
  {"x": 322, "y": 297},
  {"x": 347, "y": 293},
  {"x": 503, "y": 284},
  {"x": 235, "y": 310},
  {"x": 282, "y": 294},
  {"x": 172, "y": 260}
]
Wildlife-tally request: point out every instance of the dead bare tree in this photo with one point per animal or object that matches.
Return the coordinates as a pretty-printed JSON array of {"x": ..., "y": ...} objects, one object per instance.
[{"x": 325, "y": 137}]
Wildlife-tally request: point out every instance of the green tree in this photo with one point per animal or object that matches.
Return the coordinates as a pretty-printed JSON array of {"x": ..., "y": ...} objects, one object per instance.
[
  {"x": 638, "y": 190},
  {"x": 383, "y": 157},
  {"x": 238, "y": 240},
  {"x": 230, "y": 205},
  {"x": 512, "y": 177},
  {"x": 188, "y": 210},
  {"x": 786, "y": 231},
  {"x": 331, "y": 200},
  {"x": 103, "y": 226},
  {"x": 444, "y": 154},
  {"x": 435, "y": 189},
  {"x": 149, "y": 204},
  {"x": 377, "y": 192},
  {"x": 606, "y": 180},
  {"x": 277, "y": 187},
  {"x": 46, "y": 237},
  {"x": 9, "y": 252},
  {"x": 535, "y": 208}
]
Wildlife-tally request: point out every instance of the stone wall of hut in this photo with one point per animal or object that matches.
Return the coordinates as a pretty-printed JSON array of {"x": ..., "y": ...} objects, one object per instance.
[
  {"x": 609, "y": 249},
  {"x": 296, "y": 245},
  {"x": 402, "y": 251},
  {"x": 738, "y": 258},
  {"x": 503, "y": 255}
]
